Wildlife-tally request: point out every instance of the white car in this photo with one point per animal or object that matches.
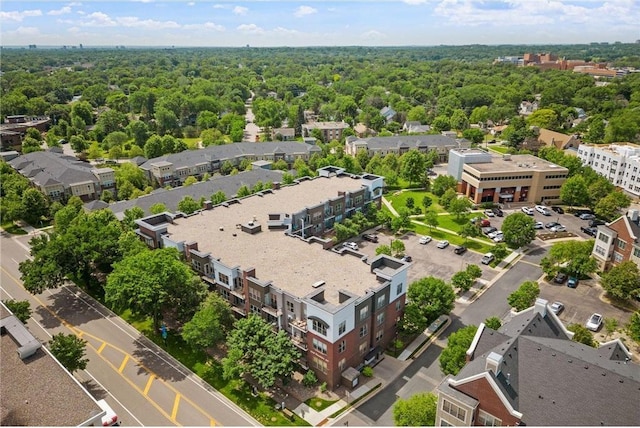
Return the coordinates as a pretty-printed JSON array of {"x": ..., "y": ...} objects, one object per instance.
[
  {"x": 538, "y": 225},
  {"x": 557, "y": 307},
  {"x": 594, "y": 322},
  {"x": 443, "y": 244},
  {"x": 494, "y": 234},
  {"x": 543, "y": 210},
  {"x": 351, "y": 245},
  {"x": 424, "y": 240},
  {"x": 527, "y": 210},
  {"x": 489, "y": 213},
  {"x": 498, "y": 238},
  {"x": 487, "y": 258},
  {"x": 558, "y": 228}
]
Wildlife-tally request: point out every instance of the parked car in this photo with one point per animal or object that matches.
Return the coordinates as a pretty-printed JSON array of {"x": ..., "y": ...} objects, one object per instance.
[
  {"x": 443, "y": 244},
  {"x": 488, "y": 230},
  {"x": 558, "y": 228},
  {"x": 424, "y": 240},
  {"x": 551, "y": 224},
  {"x": 543, "y": 210},
  {"x": 587, "y": 216},
  {"x": 557, "y": 307},
  {"x": 407, "y": 259},
  {"x": 538, "y": 225},
  {"x": 485, "y": 222},
  {"x": 557, "y": 209},
  {"x": 497, "y": 211},
  {"x": 560, "y": 278},
  {"x": 572, "y": 282},
  {"x": 527, "y": 210},
  {"x": 594, "y": 322},
  {"x": 494, "y": 234},
  {"x": 489, "y": 213},
  {"x": 461, "y": 249},
  {"x": 370, "y": 237},
  {"x": 592, "y": 231},
  {"x": 498, "y": 238},
  {"x": 579, "y": 212},
  {"x": 596, "y": 222},
  {"x": 351, "y": 245},
  {"x": 487, "y": 258}
]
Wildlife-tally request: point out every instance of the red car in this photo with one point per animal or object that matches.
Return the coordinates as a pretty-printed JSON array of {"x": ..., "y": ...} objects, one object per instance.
[{"x": 485, "y": 223}]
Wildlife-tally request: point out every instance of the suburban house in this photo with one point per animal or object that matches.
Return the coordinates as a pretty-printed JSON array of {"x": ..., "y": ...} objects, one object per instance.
[
  {"x": 227, "y": 184},
  {"x": 506, "y": 179},
  {"x": 329, "y": 130},
  {"x": 619, "y": 163},
  {"x": 527, "y": 107},
  {"x": 530, "y": 372},
  {"x": 61, "y": 176},
  {"x": 339, "y": 308},
  {"x": 286, "y": 134},
  {"x": 173, "y": 169},
  {"x": 618, "y": 241},
  {"x": 401, "y": 144},
  {"x": 415, "y": 127},
  {"x": 14, "y": 128},
  {"x": 388, "y": 113},
  {"x": 560, "y": 141},
  {"x": 36, "y": 390}
]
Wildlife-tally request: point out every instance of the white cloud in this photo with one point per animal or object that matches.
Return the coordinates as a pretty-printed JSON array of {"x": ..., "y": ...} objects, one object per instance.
[
  {"x": 26, "y": 31},
  {"x": 191, "y": 3},
  {"x": 205, "y": 26},
  {"x": 62, "y": 11},
  {"x": 415, "y": 2},
  {"x": 98, "y": 19},
  {"x": 304, "y": 10},
  {"x": 373, "y": 35},
  {"x": 132, "y": 21},
  {"x": 19, "y": 16},
  {"x": 220, "y": 6},
  {"x": 74, "y": 30},
  {"x": 250, "y": 29},
  {"x": 281, "y": 31},
  {"x": 240, "y": 10}
]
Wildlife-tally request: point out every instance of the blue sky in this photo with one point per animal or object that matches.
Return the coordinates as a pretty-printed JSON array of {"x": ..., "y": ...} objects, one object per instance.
[{"x": 317, "y": 23}]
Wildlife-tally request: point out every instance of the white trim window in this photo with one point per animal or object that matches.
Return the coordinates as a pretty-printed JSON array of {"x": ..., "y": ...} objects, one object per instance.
[
  {"x": 488, "y": 420},
  {"x": 454, "y": 410}
]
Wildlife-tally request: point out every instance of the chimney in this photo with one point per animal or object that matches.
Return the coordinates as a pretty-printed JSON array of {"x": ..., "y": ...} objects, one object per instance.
[
  {"x": 208, "y": 205},
  {"x": 540, "y": 307},
  {"x": 493, "y": 363},
  {"x": 633, "y": 215}
]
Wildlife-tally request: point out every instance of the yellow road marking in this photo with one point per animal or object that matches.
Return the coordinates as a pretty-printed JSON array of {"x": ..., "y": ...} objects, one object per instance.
[
  {"x": 176, "y": 404},
  {"x": 77, "y": 332},
  {"x": 124, "y": 363},
  {"x": 213, "y": 423},
  {"x": 148, "y": 385},
  {"x": 101, "y": 348}
]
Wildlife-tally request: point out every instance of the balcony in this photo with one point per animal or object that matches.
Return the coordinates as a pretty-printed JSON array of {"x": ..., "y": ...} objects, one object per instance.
[
  {"x": 239, "y": 310},
  {"x": 237, "y": 291},
  {"x": 299, "y": 342},
  {"x": 272, "y": 310},
  {"x": 299, "y": 325}
]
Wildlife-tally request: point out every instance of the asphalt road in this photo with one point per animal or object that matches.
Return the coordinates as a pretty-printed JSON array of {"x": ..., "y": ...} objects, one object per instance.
[{"x": 143, "y": 384}]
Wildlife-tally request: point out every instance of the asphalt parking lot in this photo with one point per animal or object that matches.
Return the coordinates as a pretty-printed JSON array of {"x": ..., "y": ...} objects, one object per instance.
[{"x": 429, "y": 260}]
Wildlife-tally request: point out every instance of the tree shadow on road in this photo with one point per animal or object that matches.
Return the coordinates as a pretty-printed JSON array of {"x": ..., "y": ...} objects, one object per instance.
[
  {"x": 70, "y": 306},
  {"x": 171, "y": 362}
]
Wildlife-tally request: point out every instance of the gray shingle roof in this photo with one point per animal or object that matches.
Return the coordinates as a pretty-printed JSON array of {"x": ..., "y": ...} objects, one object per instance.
[
  {"x": 228, "y": 184},
  {"x": 374, "y": 143},
  {"x": 48, "y": 167}
]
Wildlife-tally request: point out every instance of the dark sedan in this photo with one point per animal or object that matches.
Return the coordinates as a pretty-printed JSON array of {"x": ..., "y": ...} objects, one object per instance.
[
  {"x": 460, "y": 250},
  {"x": 557, "y": 209}
]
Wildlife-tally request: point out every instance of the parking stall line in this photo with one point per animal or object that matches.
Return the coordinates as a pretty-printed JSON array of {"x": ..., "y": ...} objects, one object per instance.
[
  {"x": 101, "y": 348},
  {"x": 176, "y": 404},
  {"x": 124, "y": 363},
  {"x": 148, "y": 385}
]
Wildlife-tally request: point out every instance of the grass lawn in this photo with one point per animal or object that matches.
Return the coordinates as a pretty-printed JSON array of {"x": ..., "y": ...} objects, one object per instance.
[
  {"x": 262, "y": 407},
  {"x": 319, "y": 404},
  {"x": 499, "y": 149},
  {"x": 439, "y": 235},
  {"x": 400, "y": 200},
  {"x": 10, "y": 227}
]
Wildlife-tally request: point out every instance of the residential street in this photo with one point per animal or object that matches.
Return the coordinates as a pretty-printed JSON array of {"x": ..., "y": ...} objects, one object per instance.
[{"x": 143, "y": 384}]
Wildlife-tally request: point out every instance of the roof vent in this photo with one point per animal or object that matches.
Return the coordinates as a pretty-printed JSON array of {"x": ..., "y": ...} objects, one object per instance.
[{"x": 318, "y": 284}]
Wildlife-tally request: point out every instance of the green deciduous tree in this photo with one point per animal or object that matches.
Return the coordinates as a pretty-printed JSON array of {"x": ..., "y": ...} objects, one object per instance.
[
  {"x": 431, "y": 219},
  {"x": 431, "y": 297},
  {"x": 574, "y": 257},
  {"x": 453, "y": 357},
  {"x": 574, "y": 191},
  {"x": 158, "y": 208},
  {"x": 188, "y": 205},
  {"x": 69, "y": 350},
  {"x": 459, "y": 207},
  {"x": 153, "y": 281},
  {"x": 441, "y": 183},
  {"x": 462, "y": 280},
  {"x": 20, "y": 308},
  {"x": 35, "y": 206},
  {"x": 634, "y": 326},
  {"x": 493, "y": 323},
  {"x": 448, "y": 196},
  {"x": 255, "y": 349},
  {"x": 417, "y": 410},
  {"x": 413, "y": 166},
  {"x": 397, "y": 247},
  {"x": 582, "y": 335},
  {"x": 210, "y": 324},
  {"x": 609, "y": 207},
  {"x": 132, "y": 214},
  {"x": 622, "y": 281},
  {"x": 518, "y": 230},
  {"x": 525, "y": 296}
]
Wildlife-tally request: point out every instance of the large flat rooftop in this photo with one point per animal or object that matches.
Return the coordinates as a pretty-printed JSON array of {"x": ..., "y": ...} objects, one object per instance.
[
  {"x": 37, "y": 391},
  {"x": 288, "y": 262},
  {"x": 515, "y": 163}
]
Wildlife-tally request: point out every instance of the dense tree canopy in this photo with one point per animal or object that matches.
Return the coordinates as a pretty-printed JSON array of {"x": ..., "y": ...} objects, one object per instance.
[{"x": 453, "y": 357}]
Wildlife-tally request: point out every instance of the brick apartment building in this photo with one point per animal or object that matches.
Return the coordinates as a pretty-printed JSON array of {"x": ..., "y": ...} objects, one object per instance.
[
  {"x": 618, "y": 241},
  {"x": 530, "y": 372},
  {"x": 13, "y": 129},
  {"x": 330, "y": 130},
  {"x": 401, "y": 144},
  {"x": 265, "y": 254},
  {"x": 506, "y": 179}
]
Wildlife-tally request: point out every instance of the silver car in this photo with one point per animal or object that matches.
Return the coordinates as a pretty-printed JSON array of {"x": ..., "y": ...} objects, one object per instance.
[{"x": 594, "y": 322}]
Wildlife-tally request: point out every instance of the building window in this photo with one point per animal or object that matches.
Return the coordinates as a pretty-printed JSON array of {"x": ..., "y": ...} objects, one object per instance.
[
  {"x": 398, "y": 306},
  {"x": 444, "y": 423},
  {"x": 621, "y": 244},
  {"x": 599, "y": 250},
  {"x": 363, "y": 348},
  {"x": 381, "y": 301},
  {"x": 617, "y": 257},
  {"x": 364, "y": 313},
  {"x": 399, "y": 289},
  {"x": 379, "y": 335},
  {"x": 380, "y": 318},
  {"x": 319, "y": 327},
  {"x": 341, "y": 364},
  {"x": 636, "y": 252},
  {"x": 319, "y": 346},
  {"x": 342, "y": 346},
  {"x": 363, "y": 330},
  {"x": 254, "y": 294},
  {"x": 487, "y": 420},
  {"x": 255, "y": 309},
  {"x": 454, "y": 410},
  {"x": 342, "y": 327},
  {"x": 319, "y": 364},
  {"x": 223, "y": 278},
  {"x": 289, "y": 306},
  {"x": 604, "y": 238}
]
